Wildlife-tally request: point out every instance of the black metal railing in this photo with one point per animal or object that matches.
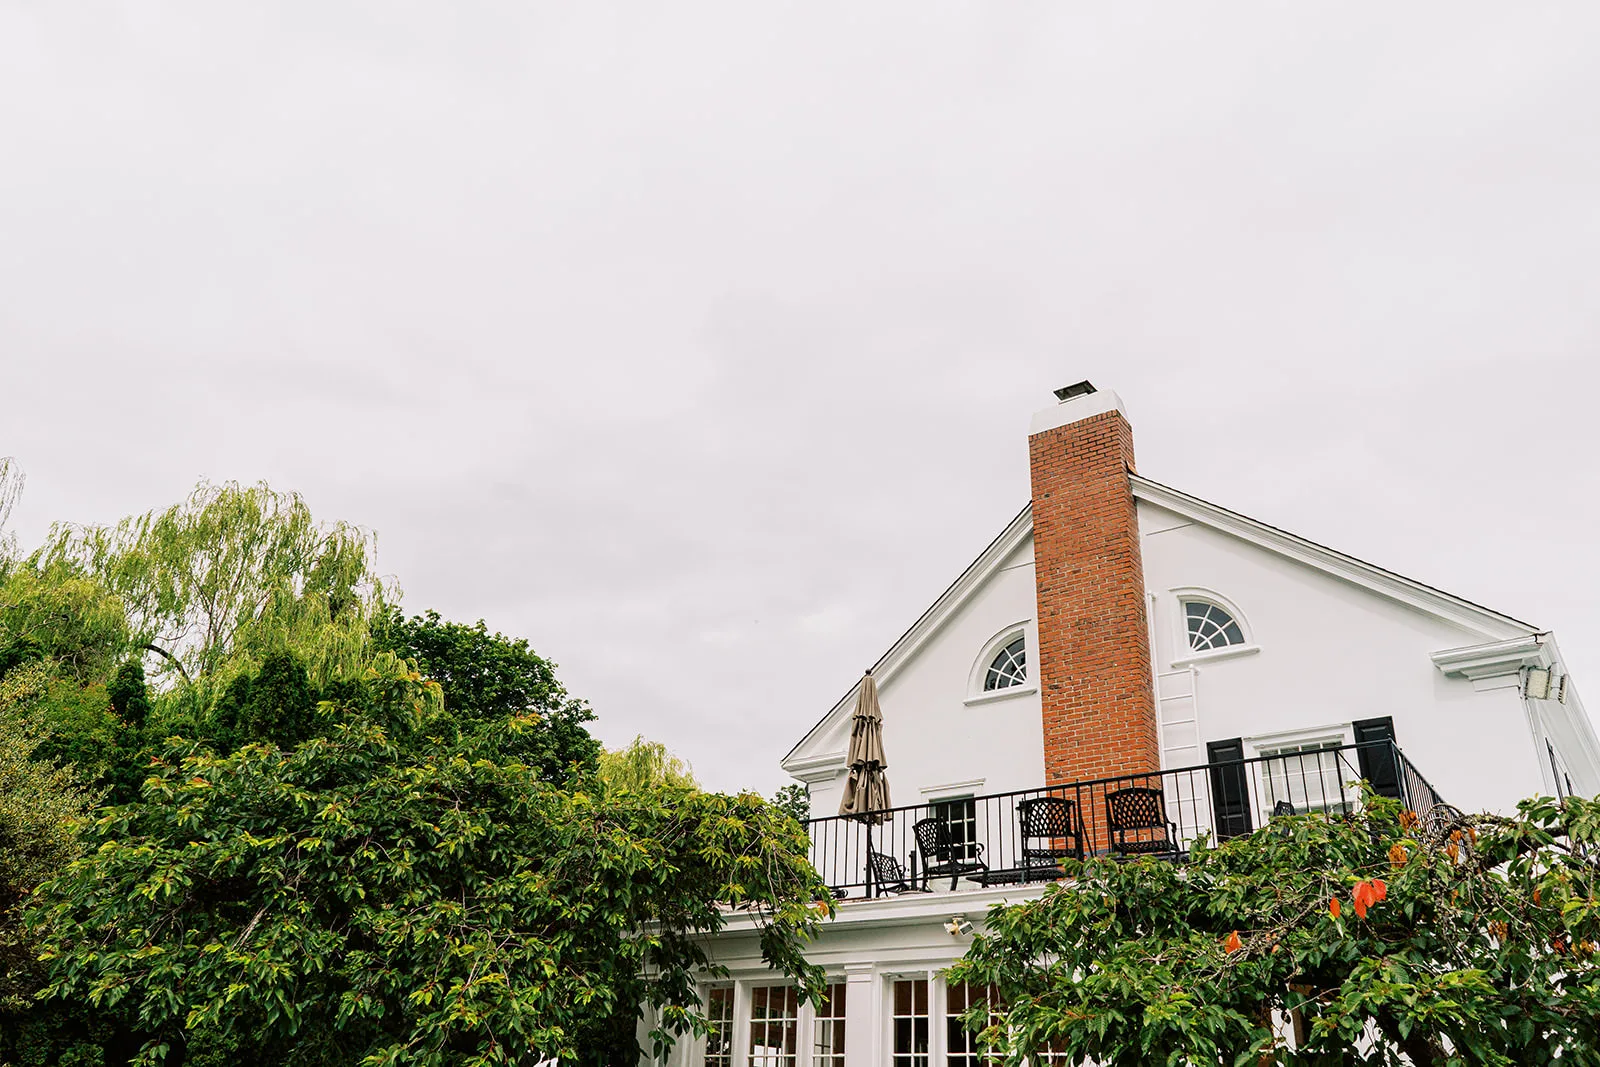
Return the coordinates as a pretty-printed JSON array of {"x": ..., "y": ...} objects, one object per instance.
[{"x": 1014, "y": 837}]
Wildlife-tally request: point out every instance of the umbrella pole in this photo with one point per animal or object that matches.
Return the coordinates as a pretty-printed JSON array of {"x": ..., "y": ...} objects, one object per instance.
[{"x": 869, "y": 859}]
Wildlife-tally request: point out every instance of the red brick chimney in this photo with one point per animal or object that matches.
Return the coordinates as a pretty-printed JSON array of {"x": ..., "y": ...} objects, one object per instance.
[{"x": 1094, "y": 639}]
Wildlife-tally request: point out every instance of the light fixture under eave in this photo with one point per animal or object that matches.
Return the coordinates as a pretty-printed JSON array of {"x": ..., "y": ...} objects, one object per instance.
[
  {"x": 1536, "y": 684},
  {"x": 958, "y": 925}
]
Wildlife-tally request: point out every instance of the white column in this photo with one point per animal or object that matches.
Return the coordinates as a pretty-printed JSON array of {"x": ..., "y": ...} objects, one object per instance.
[
  {"x": 741, "y": 1023},
  {"x": 862, "y": 1003}
]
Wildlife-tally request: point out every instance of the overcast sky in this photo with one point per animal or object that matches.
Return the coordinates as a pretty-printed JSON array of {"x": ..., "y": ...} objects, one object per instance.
[{"x": 697, "y": 343}]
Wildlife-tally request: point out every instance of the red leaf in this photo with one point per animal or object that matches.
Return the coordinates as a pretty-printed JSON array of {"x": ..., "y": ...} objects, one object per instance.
[
  {"x": 1361, "y": 910},
  {"x": 1233, "y": 944},
  {"x": 1333, "y": 907},
  {"x": 1380, "y": 889},
  {"x": 1362, "y": 896}
]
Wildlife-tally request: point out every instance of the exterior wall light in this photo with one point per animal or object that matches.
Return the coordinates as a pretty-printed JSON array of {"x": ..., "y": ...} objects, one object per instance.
[
  {"x": 1536, "y": 685},
  {"x": 958, "y": 925}
]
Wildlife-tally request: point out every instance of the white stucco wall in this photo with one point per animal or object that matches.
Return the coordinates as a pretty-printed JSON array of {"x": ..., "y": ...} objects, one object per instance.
[
  {"x": 1329, "y": 653},
  {"x": 1324, "y": 650}
]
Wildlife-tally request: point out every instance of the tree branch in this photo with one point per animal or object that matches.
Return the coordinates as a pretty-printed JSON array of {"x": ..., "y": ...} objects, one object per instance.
[{"x": 174, "y": 660}]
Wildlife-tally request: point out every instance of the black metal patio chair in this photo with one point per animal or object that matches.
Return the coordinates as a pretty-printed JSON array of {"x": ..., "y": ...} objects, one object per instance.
[
  {"x": 888, "y": 875},
  {"x": 1137, "y": 823},
  {"x": 1051, "y": 832},
  {"x": 941, "y": 855}
]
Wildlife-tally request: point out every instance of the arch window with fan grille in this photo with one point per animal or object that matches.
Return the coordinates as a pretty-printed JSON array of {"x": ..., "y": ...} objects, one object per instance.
[
  {"x": 1210, "y": 626},
  {"x": 1008, "y": 668}
]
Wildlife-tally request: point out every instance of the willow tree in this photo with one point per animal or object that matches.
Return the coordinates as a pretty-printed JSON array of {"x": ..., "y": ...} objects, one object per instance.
[
  {"x": 233, "y": 574},
  {"x": 10, "y": 490},
  {"x": 644, "y": 765}
]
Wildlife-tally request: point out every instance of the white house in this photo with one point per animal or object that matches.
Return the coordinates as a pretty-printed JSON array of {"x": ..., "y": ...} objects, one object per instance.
[{"x": 1125, "y": 650}]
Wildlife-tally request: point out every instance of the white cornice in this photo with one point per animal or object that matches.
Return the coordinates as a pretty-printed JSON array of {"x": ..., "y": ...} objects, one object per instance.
[
  {"x": 822, "y": 767},
  {"x": 906, "y": 909},
  {"x": 1413, "y": 594},
  {"x": 921, "y": 631},
  {"x": 1496, "y": 659}
]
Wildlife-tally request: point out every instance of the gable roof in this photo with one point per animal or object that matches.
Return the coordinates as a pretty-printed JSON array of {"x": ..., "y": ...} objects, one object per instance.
[
  {"x": 1018, "y": 530},
  {"x": 1396, "y": 587}
]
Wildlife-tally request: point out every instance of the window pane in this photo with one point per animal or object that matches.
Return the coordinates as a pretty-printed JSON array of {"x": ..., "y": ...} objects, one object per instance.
[
  {"x": 719, "y": 1042},
  {"x": 911, "y": 1024},
  {"x": 1210, "y": 627},
  {"x": 961, "y": 1046},
  {"x": 774, "y": 1026},
  {"x": 960, "y": 818},
  {"x": 827, "y": 1047},
  {"x": 1309, "y": 776}
]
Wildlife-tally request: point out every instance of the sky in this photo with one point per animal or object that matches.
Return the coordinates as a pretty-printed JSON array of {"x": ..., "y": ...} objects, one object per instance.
[{"x": 697, "y": 343}]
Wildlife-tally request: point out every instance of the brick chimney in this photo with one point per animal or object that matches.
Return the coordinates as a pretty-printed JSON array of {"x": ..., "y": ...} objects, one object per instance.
[{"x": 1094, "y": 639}]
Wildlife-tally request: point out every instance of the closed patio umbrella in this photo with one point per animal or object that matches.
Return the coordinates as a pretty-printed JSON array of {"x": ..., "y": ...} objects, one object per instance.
[{"x": 866, "y": 791}]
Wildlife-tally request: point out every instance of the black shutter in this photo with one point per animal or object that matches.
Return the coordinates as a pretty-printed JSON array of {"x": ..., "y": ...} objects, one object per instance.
[
  {"x": 1377, "y": 760},
  {"x": 1230, "y": 788}
]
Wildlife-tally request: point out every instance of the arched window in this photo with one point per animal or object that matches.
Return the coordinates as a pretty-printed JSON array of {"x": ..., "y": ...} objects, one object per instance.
[
  {"x": 1210, "y": 627},
  {"x": 1009, "y": 666}
]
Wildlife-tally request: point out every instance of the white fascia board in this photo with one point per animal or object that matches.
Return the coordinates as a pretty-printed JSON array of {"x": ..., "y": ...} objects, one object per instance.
[
  {"x": 1395, "y": 587},
  {"x": 930, "y": 623}
]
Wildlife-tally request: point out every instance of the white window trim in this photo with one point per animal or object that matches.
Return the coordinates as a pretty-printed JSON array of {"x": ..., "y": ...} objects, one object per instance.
[
  {"x": 1179, "y": 627},
  {"x": 804, "y": 1026},
  {"x": 932, "y": 794},
  {"x": 936, "y": 1040},
  {"x": 976, "y": 693},
  {"x": 1266, "y": 745}
]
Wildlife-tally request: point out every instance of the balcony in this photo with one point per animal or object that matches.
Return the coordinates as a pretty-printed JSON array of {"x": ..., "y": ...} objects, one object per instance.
[{"x": 1019, "y": 838}]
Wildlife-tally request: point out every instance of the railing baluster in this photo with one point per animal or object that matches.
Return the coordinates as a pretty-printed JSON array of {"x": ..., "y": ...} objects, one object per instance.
[{"x": 839, "y": 844}]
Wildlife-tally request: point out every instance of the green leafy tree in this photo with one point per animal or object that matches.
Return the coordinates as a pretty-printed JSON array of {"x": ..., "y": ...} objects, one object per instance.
[
  {"x": 358, "y": 901},
  {"x": 793, "y": 800},
  {"x": 1379, "y": 938},
  {"x": 40, "y": 807},
  {"x": 487, "y": 678},
  {"x": 70, "y": 724},
  {"x": 130, "y": 697}
]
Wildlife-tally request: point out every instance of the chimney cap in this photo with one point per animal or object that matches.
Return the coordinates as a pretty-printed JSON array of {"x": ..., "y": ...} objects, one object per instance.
[{"x": 1068, "y": 392}]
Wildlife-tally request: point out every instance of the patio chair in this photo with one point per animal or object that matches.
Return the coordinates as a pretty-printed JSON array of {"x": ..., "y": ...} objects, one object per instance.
[
  {"x": 888, "y": 874},
  {"x": 1137, "y": 823},
  {"x": 1054, "y": 822},
  {"x": 942, "y": 856}
]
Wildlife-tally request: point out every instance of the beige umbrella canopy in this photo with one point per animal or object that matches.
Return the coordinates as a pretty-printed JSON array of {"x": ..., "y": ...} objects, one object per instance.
[{"x": 866, "y": 791}]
